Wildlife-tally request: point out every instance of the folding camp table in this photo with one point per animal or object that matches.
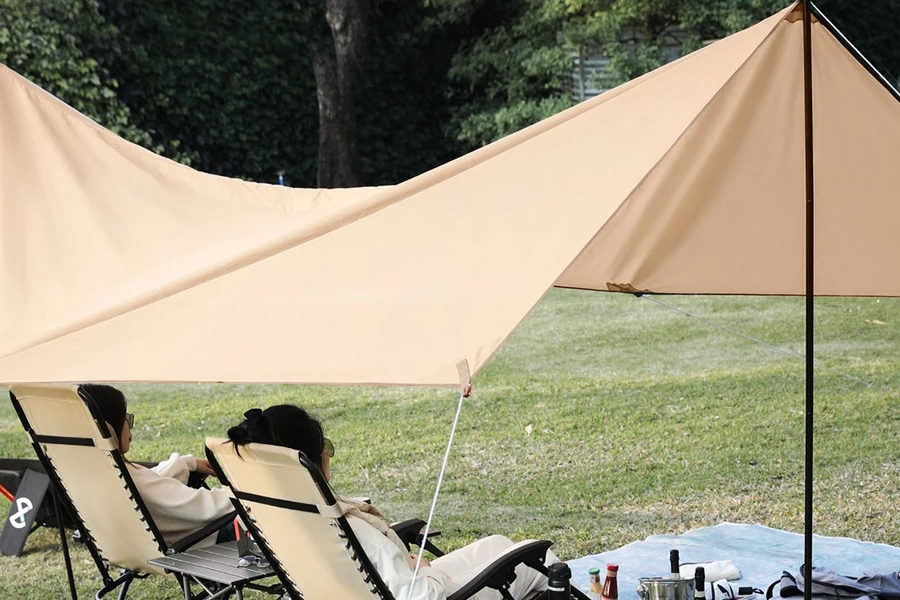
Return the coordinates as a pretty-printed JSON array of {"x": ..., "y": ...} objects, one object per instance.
[{"x": 217, "y": 564}]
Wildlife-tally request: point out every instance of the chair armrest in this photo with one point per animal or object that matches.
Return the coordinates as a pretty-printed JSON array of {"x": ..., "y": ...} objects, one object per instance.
[
  {"x": 501, "y": 572},
  {"x": 410, "y": 532},
  {"x": 201, "y": 534}
]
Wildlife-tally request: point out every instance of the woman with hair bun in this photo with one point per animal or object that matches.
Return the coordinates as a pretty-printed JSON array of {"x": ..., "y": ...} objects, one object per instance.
[{"x": 291, "y": 426}]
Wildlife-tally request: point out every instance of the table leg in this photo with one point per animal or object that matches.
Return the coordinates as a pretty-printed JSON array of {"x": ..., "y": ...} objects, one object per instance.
[{"x": 186, "y": 587}]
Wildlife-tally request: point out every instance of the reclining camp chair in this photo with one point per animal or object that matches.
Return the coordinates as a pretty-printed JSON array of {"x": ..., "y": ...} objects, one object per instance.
[
  {"x": 294, "y": 518},
  {"x": 81, "y": 455}
]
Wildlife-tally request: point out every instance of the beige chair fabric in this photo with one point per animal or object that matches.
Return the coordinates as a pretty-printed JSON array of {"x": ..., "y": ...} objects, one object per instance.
[
  {"x": 307, "y": 545},
  {"x": 686, "y": 180},
  {"x": 90, "y": 475}
]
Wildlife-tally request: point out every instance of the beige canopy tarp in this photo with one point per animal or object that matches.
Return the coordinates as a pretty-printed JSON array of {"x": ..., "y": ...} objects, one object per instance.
[{"x": 118, "y": 265}]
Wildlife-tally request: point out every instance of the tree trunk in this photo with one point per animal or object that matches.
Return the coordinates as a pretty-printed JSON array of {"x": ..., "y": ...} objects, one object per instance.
[{"x": 338, "y": 57}]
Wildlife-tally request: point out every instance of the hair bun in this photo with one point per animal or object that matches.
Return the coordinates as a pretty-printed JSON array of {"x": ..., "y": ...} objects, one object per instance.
[
  {"x": 255, "y": 418},
  {"x": 239, "y": 434},
  {"x": 254, "y": 428}
]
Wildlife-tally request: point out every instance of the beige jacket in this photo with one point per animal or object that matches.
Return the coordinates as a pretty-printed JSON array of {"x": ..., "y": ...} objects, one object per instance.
[{"x": 177, "y": 509}]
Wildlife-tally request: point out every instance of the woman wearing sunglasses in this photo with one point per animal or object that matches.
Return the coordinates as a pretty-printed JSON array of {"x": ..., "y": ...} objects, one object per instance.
[
  {"x": 291, "y": 426},
  {"x": 177, "y": 508}
]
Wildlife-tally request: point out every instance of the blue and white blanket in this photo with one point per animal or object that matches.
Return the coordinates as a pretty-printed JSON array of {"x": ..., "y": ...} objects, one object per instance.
[{"x": 761, "y": 554}]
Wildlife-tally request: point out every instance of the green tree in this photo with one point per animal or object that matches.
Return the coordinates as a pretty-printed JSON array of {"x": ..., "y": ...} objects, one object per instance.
[
  {"x": 517, "y": 67},
  {"x": 64, "y": 46},
  {"x": 404, "y": 109},
  {"x": 512, "y": 68},
  {"x": 228, "y": 84},
  {"x": 632, "y": 31},
  {"x": 637, "y": 34},
  {"x": 235, "y": 86},
  {"x": 233, "y": 89}
]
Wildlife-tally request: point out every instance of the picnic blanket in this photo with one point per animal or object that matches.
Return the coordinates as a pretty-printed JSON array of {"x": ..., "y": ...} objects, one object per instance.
[{"x": 761, "y": 553}]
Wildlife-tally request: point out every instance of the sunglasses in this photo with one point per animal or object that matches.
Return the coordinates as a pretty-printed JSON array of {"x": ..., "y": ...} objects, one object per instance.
[
  {"x": 129, "y": 418},
  {"x": 252, "y": 559},
  {"x": 329, "y": 448}
]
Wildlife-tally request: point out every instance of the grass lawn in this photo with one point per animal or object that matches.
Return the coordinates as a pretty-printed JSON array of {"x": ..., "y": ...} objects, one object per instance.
[{"x": 604, "y": 419}]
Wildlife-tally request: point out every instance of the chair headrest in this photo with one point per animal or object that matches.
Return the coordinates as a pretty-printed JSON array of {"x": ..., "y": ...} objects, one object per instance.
[{"x": 113, "y": 438}]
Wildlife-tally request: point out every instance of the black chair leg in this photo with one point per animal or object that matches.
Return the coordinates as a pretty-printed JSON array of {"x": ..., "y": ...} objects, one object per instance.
[
  {"x": 122, "y": 580},
  {"x": 64, "y": 541},
  {"x": 185, "y": 586},
  {"x": 124, "y": 589}
]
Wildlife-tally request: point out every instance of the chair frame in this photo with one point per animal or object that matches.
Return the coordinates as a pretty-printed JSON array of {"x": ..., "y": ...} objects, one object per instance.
[
  {"x": 261, "y": 540},
  {"x": 498, "y": 575},
  {"x": 59, "y": 490}
]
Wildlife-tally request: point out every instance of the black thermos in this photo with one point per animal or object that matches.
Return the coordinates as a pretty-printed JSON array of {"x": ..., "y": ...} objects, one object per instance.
[
  {"x": 699, "y": 583},
  {"x": 559, "y": 583}
]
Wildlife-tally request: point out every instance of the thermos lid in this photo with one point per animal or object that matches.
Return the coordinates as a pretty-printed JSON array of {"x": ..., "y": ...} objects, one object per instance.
[{"x": 558, "y": 573}]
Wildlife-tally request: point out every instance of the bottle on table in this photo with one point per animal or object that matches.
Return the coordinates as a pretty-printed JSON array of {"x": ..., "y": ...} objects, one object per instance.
[
  {"x": 559, "y": 585},
  {"x": 700, "y": 584},
  {"x": 611, "y": 585},
  {"x": 674, "y": 563},
  {"x": 596, "y": 585}
]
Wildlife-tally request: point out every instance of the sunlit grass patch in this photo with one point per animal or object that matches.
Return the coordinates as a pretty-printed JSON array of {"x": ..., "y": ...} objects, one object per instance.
[{"x": 604, "y": 419}]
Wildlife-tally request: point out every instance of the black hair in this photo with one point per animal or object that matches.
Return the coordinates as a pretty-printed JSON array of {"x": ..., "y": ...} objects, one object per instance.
[
  {"x": 111, "y": 403},
  {"x": 281, "y": 425}
]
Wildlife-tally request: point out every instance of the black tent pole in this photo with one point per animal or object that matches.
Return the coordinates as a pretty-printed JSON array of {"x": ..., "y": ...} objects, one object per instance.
[{"x": 810, "y": 297}]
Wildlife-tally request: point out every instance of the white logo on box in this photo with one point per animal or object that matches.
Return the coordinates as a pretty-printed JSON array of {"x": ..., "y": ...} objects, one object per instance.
[{"x": 17, "y": 519}]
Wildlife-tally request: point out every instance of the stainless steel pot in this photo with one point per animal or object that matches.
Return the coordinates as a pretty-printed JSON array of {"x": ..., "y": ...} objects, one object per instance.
[{"x": 663, "y": 588}]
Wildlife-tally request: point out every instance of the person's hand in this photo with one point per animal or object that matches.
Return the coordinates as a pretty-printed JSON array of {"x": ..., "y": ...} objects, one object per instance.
[
  {"x": 204, "y": 468},
  {"x": 412, "y": 561}
]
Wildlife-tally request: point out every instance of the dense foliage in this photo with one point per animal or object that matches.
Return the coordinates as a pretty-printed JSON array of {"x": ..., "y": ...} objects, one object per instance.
[
  {"x": 227, "y": 84},
  {"x": 234, "y": 84},
  {"x": 229, "y": 87},
  {"x": 65, "y": 46}
]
